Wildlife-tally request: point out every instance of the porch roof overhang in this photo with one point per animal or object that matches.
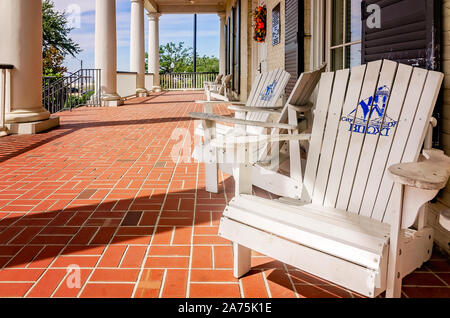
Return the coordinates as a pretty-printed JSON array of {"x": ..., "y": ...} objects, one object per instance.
[{"x": 185, "y": 6}]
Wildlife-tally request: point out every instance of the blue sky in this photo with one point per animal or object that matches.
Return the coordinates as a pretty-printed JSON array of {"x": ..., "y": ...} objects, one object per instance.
[{"x": 173, "y": 28}]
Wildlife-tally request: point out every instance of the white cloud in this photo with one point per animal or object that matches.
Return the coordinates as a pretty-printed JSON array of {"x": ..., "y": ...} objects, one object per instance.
[
  {"x": 188, "y": 33},
  {"x": 175, "y": 28},
  {"x": 85, "y": 5}
]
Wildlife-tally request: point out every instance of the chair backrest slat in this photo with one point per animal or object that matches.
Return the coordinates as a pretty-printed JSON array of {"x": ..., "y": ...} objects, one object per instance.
[
  {"x": 218, "y": 79},
  {"x": 256, "y": 82},
  {"x": 416, "y": 84},
  {"x": 357, "y": 138},
  {"x": 282, "y": 78},
  {"x": 254, "y": 96},
  {"x": 334, "y": 117},
  {"x": 320, "y": 116},
  {"x": 307, "y": 82},
  {"x": 343, "y": 137},
  {"x": 267, "y": 94},
  {"x": 394, "y": 108},
  {"x": 303, "y": 89},
  {"x": 374, "y": 131},
  {"x": 417, "y": 133},
  {"x": 365, "y": 122}
]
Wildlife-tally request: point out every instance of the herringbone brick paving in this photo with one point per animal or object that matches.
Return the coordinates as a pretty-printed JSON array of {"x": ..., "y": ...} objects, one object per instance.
[{"x": 112, "y": 192}]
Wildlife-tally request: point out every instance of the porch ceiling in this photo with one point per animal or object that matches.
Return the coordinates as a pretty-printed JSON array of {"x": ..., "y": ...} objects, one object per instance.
[{"x": 185, "y": 6}]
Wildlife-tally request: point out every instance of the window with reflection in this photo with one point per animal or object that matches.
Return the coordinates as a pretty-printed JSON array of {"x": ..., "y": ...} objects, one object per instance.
[{"x": 344, "y": 17}]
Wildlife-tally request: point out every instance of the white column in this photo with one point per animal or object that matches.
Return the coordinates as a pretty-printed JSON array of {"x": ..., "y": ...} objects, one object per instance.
[
  {"x": 137, "y": 45},
  {"x": 222, "y": 59},
  {"x": 21, "y": 46},
  {"x": 106, "y": 50},
  {"x": 153, "y": 48}
]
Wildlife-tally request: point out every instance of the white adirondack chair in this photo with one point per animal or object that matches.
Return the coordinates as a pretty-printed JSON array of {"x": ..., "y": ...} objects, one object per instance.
[
  {"x": 363, "y": 188},
  {"x": 220, "y": 91},
  {"x": 254, "y": 121},
  {"x": 266, "y": 90},
  {"x": 257, "y": 96},
  {"x": 213, "y": 85}
]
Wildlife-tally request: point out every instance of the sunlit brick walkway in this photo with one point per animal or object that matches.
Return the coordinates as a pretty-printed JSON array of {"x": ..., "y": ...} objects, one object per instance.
[{"x": 103, "y": 193}]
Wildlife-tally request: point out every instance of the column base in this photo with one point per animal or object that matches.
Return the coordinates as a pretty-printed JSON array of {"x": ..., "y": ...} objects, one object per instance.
[
  {"x": 112, "y": 100},
  {"x": 157, "y": 89},
  {"x": 112, "y": 103},
  {"x": 4, "y": 132},
  {"x": 141, "y": 92},
  {"x": 32, "y": 127},
  {"x": 26, "y": 115}
]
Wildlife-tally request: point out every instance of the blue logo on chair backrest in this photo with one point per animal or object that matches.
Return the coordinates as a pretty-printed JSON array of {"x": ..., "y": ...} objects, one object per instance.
[
  {"x": 373, "y": 117},
  {"x": 268, "y": 94}
]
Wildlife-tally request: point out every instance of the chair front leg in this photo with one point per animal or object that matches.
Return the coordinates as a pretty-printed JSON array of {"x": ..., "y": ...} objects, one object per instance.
[
  {"x": 295, "y": 159},
  {"x": 241, "y": 260},
  {"x": 394, "y": 275},
  {"x": 240, "y": 115},
  {"x": 242, "y": 173},
  {"x": 211, "y": 166}
]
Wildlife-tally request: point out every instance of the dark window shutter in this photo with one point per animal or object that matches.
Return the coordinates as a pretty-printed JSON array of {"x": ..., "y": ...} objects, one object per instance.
[
  {"x": 408, "y": 33},
  {"x": 294, "y": 41},
  {"x": 237, "y": 51},
  {"x": 233, "y": 46},
  {"x": 227, "y": 50}
]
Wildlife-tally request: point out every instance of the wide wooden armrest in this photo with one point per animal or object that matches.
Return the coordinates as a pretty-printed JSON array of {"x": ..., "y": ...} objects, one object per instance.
[
  {"x": 224, "y": 141},
  {"x": 211, "y": 102},
  {"x": 238, "y": 103},
  {"x": 430, "y": 174},
  {"x": 212, "y": 117},
  {"x": 254, "y": 109}
]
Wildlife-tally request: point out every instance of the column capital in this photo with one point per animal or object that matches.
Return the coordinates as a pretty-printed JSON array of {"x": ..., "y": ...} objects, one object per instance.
[
  {"x": 222, "y": 15},
  {"x": 153, "y": 16}
]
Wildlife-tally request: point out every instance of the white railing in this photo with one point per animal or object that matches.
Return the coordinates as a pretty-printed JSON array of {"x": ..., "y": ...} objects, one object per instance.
[
  {"x": 186, "y": 81},
  {"x": 5, "y": 84}
]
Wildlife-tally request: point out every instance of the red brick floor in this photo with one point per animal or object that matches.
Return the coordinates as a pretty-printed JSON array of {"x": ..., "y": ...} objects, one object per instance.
[{"x": 102, "y": 197}]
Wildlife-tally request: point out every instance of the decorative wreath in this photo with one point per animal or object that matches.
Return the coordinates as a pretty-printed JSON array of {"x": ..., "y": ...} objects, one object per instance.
[{"x": 260, "y": 17}]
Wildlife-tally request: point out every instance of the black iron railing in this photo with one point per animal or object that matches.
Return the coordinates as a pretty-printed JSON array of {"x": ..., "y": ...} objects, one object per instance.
[
  {"x": 75, "y": 90},
  {"x": 182, "y": 81}
]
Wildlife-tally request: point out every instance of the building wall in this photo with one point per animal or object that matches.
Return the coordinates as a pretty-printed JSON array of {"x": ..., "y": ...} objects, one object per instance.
[
  {"x": 251, "y": 53},
  {"x": 275, "y": 54},
  {"x": 307, "y": 29},
  {"x": 442, "y": 237},
  {"x": 247, "y": 71}
]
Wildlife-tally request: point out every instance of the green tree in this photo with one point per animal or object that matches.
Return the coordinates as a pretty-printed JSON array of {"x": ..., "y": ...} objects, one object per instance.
[
  {"x": 56, "y": 44},
  {"x": 146, "y": 62},
  {"x": 180, "y": 56},
  {"x": 207, "y": 64},
  {"x": 53, "y": 62}
]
